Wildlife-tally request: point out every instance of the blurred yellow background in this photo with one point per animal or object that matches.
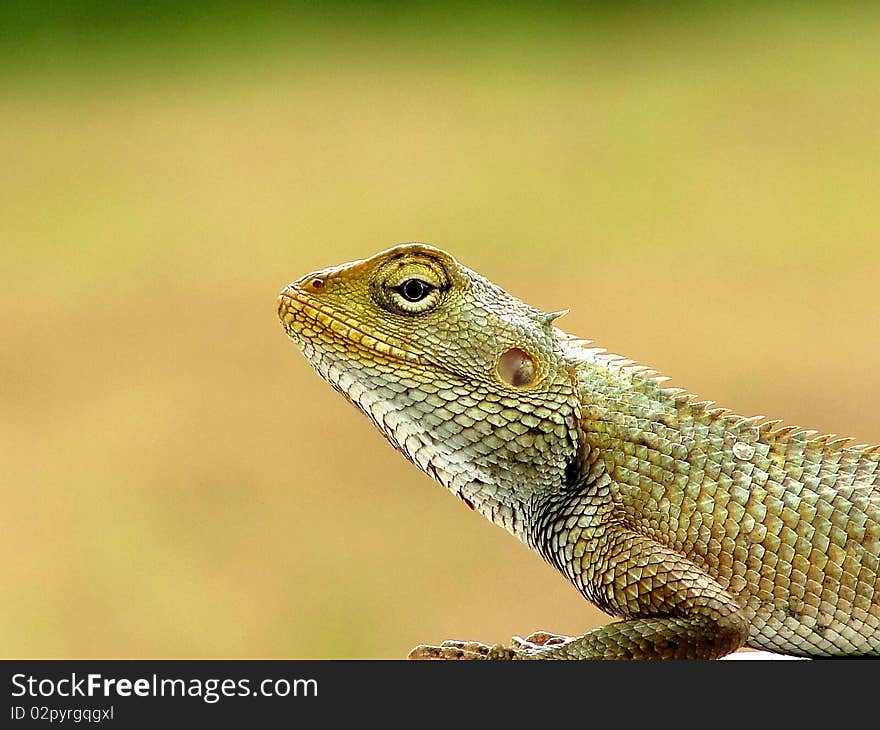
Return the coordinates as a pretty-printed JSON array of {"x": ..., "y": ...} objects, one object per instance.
[{"x": 700, "y": 188}]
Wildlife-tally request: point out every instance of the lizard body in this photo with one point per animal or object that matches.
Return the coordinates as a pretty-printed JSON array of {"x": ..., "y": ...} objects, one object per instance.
[{"x": 702, "y": 530}]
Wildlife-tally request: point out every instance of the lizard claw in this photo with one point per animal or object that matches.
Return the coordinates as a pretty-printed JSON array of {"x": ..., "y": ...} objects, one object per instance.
[{"x": 539, "y": 640}]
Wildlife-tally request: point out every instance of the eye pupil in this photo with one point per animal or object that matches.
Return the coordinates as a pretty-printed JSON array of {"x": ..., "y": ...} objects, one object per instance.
[{"x": 414, "y": 290}]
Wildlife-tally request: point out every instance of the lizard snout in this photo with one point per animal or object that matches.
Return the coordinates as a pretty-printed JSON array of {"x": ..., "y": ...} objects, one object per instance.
[{"x": 311, "y": 285}]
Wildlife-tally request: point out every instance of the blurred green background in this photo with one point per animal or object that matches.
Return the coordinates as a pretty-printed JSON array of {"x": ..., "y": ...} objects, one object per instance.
[{"x": 699, "y": 185}]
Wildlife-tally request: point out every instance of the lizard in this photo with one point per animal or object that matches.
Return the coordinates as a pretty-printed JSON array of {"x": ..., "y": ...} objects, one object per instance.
[{"x": 703, "y": 531}]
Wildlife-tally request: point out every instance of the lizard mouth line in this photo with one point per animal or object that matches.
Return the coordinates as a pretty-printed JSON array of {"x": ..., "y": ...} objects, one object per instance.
[{"x": 295, "y": 309}]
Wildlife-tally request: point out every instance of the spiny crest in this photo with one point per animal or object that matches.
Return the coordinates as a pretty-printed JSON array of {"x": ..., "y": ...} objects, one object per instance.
[
  {"x": 548, "y": 318},
  {"x": 767, "y": 427},
  {"x": 770, "y": 429}
]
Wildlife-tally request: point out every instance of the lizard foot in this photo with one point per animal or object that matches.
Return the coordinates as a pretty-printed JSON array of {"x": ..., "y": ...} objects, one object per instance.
[
  {"x": 462, "y": 650},
  {"x": 519, "y": 648}
]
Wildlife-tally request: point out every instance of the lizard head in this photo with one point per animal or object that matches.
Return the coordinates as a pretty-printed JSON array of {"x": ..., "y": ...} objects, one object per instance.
[
  {"x": 414, "y": 306},
  {"x": 466, "y": 380}
]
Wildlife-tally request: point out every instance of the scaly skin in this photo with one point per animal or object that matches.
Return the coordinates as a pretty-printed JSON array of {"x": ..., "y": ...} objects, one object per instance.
[{"x": 704, "y": 531}]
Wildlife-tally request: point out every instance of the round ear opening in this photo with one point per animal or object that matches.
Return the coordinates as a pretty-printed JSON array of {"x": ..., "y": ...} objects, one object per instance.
[{"x": 516, "y": 367}]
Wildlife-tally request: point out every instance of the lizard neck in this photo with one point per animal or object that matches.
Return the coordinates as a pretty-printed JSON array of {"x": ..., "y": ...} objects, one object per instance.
[
  {"x": 495, "y": 452},
  {"x": 495, "y": 449}
]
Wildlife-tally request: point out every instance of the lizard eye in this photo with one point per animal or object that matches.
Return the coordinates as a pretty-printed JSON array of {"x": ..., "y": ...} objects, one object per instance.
[
  {"x": 410, "y": 285},
  {"x": 414, "y": 290}
]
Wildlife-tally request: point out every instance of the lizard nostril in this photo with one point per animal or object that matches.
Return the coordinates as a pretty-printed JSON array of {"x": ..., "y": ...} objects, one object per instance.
[{"x": 315, "y": 284}]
